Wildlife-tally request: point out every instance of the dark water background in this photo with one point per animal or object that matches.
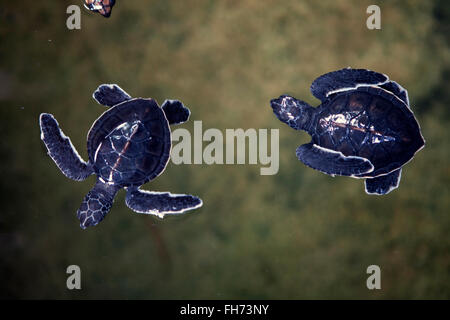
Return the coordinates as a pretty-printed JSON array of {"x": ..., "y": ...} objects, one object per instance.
[{"x": 297, "y": 234}]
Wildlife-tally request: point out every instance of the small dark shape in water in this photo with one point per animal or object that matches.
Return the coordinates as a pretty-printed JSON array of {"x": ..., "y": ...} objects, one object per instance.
[
  {"x": 104, "y": 7},
  {"x": 364, "y": 127}
]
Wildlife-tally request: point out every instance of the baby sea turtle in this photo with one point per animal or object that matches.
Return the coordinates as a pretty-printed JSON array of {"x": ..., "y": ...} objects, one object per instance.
[
  {"x": 103, "y": 7},
  {"x": 128, "y": 145},
  {"x": 364, "y": 127}
]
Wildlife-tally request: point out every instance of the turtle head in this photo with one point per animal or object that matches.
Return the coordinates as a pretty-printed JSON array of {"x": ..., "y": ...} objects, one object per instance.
[
  {"x": 295, "y": 113},
  {"x": 96, "y": 204}
]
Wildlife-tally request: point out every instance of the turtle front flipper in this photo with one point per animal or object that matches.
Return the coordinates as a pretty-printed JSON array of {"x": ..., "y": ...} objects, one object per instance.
[
  {"x": 344, "y": 79},
  {"x": 332, "y": 162},
  {"x": 110, "y": 95},
  {"x": 160, "y": 203},
  {"x": 175, "y": 111},
  {"x": 96, "y": 204},
  {"x": 62, "y": 151},
  {"x": 384, "y": 184}
]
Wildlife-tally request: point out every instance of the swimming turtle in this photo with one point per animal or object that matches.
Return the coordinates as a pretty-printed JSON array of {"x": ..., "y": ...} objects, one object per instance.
[
  {"x": 128, "y": 145},
  {"x": 104, "y": 7},
  {"x": 364, "y": 127}
]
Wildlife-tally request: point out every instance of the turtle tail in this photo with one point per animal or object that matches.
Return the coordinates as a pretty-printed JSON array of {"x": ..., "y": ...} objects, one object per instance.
[{"x": 96, "y": 204}]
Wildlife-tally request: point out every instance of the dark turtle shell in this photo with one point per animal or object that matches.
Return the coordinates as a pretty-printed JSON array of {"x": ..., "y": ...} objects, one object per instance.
[
  {"x": 130, "y": 143},
  {"x": 355, "y": 122}
]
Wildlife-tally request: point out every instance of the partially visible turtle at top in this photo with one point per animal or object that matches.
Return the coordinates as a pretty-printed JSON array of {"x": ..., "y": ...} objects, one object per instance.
[
  {"x": 364, "y": 127},
  {"x": 128, "y": 145},
  {"x": 104, "y": 7}
]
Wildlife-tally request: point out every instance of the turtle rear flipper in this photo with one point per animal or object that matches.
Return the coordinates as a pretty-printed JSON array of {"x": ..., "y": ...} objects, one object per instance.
[
  {"x": 96, "y": 204},
  {"x": 175, "y": 111},
  {"x": 160, "y": 203},
  {"x": 62, "y": 151},
  {"x": 110, "y": 95},
  {"x": 397, "y": 90},
  {"x": 344, "y": 79},
  {"x": 384, "y": 184},
  {"x": 332, "y": 162}
]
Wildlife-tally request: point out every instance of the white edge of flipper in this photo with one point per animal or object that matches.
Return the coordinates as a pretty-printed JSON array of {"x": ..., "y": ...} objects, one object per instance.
[
  {"x": 390, "y": 189},
  {"x": 172, "y": 195},
  {"x": 347, "y": 157},
  {"x": 62, "y": 136}
]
